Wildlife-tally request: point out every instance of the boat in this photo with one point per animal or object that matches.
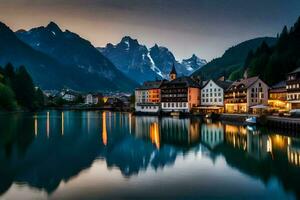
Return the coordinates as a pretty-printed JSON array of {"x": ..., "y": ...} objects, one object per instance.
[{"x": 251, "y": 120}]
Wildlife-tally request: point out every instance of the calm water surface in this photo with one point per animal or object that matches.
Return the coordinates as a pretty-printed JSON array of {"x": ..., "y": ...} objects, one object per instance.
[{"x": 106, "y": 155}]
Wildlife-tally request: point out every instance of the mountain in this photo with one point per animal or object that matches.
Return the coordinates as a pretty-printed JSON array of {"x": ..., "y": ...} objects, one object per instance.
[
  {"x": 81, "y": 61},
  {"x": 141, "y": 63},
  {"x": 193, "y": 63},
  {"x": 42, "y": 68},
  {"x": 273, "y": 63},
  {"x": 232, "y": 61}
]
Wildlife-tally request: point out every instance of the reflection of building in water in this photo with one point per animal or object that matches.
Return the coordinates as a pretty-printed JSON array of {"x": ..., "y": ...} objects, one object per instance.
[
  {"x": 258, "y": 145},
  {"x": 104, "y": 131},
  {"x": 167, "y": 130},
  {"x": 142, "y": 125},
  {"x": 212, "y": 134},
  {"x": 154, "y": 134},
  {"x": 35, "y": 125},
  {"x": 48, "y": 124},
  {"x": 293, "y": 151},
  {"x": 62, "y": 123},
  {"x": 180, "y": 131},
  {"x": 236, "y": 135}
]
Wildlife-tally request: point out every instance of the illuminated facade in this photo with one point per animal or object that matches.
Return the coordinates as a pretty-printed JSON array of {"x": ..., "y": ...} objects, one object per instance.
[
  {"x": 243, "y": 94},
  {"x": 293, "y": 89},
  {"x": 147, "y": 97},
  {"x": 212, "y": 95},
  {"x": 180, "y": 95},
  {"x": 278, "y": 96}
]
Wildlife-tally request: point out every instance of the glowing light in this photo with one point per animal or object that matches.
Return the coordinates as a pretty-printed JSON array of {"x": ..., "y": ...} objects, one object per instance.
[
  {"x": 62, "y": 123},
  {"x": 154, "y": 134},
  {"x": 48, "y": 124},
  {"x": 130, "y": 122},
  {"x": 35, "y": 125},
  {"x": 104, "y": 131}
]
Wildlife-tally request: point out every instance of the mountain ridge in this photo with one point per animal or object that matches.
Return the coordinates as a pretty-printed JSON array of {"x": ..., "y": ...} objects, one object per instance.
[
  {"x": 142, "y": 63},
  {"x": 77, "y": 54}
]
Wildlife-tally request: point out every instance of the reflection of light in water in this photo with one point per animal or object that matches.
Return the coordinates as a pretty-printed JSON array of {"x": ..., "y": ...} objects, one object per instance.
[
  {"x": 48, "y": 124},
  {"x": 104, "y": 131},
  {"x": 88, "y": 121},
  {"x": 194, "y": 131},
  {"x": 35, "y": 125},
  {"x": 279, "y": 141},
  {"x": 293, "y": 156},
  {"x": 293, "y": 152},
  {"x": 269, "y": 145},
  {"x": 236, "y": 135},
  {"x": 130, "y": 122},
  {"x": 62, "y": 123},
  {"x": 154, "y": 134}
]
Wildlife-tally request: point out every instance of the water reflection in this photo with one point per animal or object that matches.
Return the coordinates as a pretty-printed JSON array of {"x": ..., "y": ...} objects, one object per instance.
[{"x": 45, "y": 149}]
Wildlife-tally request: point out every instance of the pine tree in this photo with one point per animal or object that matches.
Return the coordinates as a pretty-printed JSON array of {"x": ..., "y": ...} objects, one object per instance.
[{"x": 24, "y": 89}]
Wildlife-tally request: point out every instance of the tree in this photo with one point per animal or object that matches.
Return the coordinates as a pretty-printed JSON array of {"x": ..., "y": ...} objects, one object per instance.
[
  {"x": 39, "y": 98},
  {"x": 7, "y": 99},
  {"x": 24, "y": 89}
]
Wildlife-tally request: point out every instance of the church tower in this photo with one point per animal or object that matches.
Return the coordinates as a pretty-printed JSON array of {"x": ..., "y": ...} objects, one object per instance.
[{"x": 173, "y": 73}]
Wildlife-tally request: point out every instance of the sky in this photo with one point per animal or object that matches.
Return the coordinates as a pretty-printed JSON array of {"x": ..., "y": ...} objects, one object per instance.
[{"x": 202, "y": 27}]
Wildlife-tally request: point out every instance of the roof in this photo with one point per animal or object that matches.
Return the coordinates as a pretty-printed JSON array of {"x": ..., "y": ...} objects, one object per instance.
[
  {"x": 183, "y": 80},
  {"x": 173, "y": 71},
  {"x": 222, "y": 84},
  {"x": 247, "y": 82},
  {"x": 295, "y": 71},
  {"x": 281, "y": 84},
  {"x": 150, "y": 85},
  {"x": 279, "y": 87}
]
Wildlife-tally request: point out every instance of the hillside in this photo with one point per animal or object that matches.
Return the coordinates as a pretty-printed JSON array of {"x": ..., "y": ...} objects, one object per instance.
[
  {"x": 232, "y": 61},
  {"x": 273, "y": 63}
]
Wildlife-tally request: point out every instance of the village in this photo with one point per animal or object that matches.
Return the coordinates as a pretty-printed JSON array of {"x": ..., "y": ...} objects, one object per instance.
[
  {"x": 191, "y": 95},
  {"x": 74, "y": 100}
]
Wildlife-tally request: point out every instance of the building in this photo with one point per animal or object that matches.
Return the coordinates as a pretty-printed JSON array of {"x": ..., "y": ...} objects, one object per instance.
[
  {"x": 278, "y": 96},
  {"x": 93, "y": 98},
  {"x": 69, "y": 95},
  {"x": 212, "y": 96},
  {"x": 180, "y": 94},
  {"x": 147, "y": 97},
  {"x": 245, "y": 93},
  {"x": 293, "y": 89}
]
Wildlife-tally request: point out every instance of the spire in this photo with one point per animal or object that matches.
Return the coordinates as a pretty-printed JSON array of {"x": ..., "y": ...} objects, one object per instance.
[{"x": 173, "y": 73}]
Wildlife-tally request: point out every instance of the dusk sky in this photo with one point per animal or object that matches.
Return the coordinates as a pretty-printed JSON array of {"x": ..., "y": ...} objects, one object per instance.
[{"x": 204, "y": 27}]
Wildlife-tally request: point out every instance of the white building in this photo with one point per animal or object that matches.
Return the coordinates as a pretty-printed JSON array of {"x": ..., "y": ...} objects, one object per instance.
[
  {"x": 69, "y": 95},
  {"x": 92, "y": 99},
  {"x": 212, "y": 95}
]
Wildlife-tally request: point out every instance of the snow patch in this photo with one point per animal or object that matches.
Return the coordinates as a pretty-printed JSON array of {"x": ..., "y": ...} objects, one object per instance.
[
  {"x": 153, "y": 67},
  {"x": 128, "y": 45}
]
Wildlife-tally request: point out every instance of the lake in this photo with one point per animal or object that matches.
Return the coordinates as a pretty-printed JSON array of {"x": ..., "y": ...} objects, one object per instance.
[{"x": 109, "y": 155}]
